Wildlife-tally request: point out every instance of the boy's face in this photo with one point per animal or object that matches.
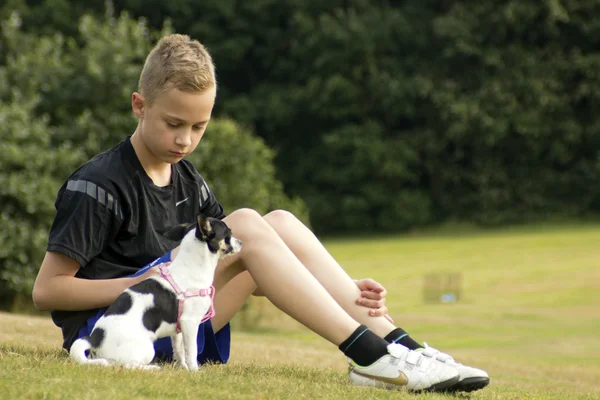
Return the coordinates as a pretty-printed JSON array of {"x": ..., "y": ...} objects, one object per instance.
[{"x": 172, "y": 126}]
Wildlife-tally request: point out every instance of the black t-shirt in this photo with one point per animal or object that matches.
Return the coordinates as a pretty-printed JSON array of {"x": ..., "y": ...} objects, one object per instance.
[{"x": 110, "y": 218}]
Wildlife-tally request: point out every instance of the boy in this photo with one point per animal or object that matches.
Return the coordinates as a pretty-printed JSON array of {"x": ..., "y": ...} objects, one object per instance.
[{"x": 113, "y": 210}]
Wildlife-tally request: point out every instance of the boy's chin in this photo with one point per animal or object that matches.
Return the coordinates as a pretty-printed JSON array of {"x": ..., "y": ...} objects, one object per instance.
[{"x": 172, "y": 158}]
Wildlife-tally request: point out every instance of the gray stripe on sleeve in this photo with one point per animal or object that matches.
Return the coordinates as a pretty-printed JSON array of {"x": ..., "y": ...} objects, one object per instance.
[
  {"x": 203, "y": 193},
  {"x": 91, "y": 190},
  {"x": 101, "y": 195},
  {"x": 76, "y": 186},
  {"x": 96, "y": 193},
  {"x": 109, "y": 201}
]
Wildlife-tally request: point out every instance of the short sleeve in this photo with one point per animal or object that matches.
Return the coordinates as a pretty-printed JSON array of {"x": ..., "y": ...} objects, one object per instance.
[
  {"x": 87, "y": 218},
  {"x": 210, "y": 206}
]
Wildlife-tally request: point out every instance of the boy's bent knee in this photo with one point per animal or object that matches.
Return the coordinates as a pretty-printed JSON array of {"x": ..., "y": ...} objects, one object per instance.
[
  {"x": 245, "y": 222},
  {"x": 243, "y": 215},
  {"x": 278, "y": 217}
]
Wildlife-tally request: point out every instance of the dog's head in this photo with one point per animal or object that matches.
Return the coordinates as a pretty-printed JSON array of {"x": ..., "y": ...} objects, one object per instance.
[
  {"x": 212, "y": 231},
  {"x": 217, "y": 235}
]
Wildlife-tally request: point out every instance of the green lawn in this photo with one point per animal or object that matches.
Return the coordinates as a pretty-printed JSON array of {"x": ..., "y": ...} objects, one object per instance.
[{"x": 529, "y": 315}]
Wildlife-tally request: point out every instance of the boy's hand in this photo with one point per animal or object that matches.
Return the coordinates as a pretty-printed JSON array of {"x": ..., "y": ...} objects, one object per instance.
[
  {"x": 151, "y": 272},
  {"x": 372, "y": 295}
]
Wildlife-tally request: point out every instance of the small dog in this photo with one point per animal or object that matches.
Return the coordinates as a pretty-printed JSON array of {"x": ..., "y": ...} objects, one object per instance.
[{"x": 155, "y": 308}]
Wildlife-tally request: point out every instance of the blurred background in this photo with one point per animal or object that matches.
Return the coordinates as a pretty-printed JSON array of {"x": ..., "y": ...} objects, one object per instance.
[{"x": 360, "y": 116}]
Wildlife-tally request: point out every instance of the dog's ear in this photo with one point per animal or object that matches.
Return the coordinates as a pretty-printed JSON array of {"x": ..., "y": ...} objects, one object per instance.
[
  {"x": 179, "y": 231},
  {"x": 204, "y": 228}
]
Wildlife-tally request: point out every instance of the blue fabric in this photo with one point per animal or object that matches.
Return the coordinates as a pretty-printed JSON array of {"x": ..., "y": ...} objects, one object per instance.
[{"x": 212, "y": 347}]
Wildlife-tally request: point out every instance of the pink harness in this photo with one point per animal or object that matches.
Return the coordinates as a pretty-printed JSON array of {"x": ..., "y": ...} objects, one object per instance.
[{"x": 164, "y": 272}]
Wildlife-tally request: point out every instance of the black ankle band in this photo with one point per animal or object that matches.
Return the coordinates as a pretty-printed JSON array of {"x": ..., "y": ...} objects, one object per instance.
[
  {"x": 364, "y": 347},
  {"x": 400, "y": 336}
]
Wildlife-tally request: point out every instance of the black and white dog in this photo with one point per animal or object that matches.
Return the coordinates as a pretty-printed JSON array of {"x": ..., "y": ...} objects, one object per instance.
[{"x": 155, "y": 308}]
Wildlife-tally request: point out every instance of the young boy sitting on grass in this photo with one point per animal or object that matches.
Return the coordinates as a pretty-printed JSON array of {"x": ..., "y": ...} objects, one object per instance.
[{"x": 108, "y": 235}]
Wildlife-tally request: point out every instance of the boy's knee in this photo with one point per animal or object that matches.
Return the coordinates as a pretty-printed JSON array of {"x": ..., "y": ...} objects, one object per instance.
[
  {"x": 280, "y": 217},
  {"x": 247, "y": 222},
  {"x": 243, "y": 215}
]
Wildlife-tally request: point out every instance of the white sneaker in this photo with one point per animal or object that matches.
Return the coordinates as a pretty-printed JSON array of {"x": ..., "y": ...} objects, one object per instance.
[
  {"x": 404, "y": 369},
  {"x": 471, "y": 379}
]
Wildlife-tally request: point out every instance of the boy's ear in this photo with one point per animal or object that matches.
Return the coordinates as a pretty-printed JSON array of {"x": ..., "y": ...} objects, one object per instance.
[
  {"x": 137, "y": 104},
  {"x": 178, "y": 232},
  {"x": 204, "y": 227}
]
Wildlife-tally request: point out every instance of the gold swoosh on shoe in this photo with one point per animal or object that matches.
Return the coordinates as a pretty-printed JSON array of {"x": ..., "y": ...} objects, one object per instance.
[{"x": 401, "y": 380}]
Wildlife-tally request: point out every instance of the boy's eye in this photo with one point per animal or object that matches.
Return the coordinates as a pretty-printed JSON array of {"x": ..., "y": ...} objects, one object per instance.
[{"x": 172, "y": 125}]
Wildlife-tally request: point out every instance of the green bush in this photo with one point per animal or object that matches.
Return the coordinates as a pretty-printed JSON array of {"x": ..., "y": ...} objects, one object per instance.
[
  {"x": 31, "y": 175},
  {"x": 239, "y": 168}
]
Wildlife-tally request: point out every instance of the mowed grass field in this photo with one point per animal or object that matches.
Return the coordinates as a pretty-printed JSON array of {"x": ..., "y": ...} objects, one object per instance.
[{"x": 529, "y": 314}]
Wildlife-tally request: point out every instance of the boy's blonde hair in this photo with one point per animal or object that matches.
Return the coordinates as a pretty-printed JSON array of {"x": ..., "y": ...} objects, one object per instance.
[{"x": 178, "y": 62}]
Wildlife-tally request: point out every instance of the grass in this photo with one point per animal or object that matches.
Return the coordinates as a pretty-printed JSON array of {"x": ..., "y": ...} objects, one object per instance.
[{"x": 529, "y": 315}]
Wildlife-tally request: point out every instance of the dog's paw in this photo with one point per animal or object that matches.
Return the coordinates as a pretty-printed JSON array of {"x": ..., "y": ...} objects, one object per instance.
[
  {"x": 140, "y": 366},
  {"x": 179, "y": 364},
  {"x": 101, "y": 362}
]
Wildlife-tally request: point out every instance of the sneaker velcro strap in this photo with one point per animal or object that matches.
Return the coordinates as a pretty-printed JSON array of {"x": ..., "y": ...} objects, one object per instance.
[
  {"x": 413, "y": 358},
  {"x": 438, "y": 355}
]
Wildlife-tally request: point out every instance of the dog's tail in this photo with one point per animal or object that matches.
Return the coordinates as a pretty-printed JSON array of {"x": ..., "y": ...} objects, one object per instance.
[{"x": 79, "y": 349}]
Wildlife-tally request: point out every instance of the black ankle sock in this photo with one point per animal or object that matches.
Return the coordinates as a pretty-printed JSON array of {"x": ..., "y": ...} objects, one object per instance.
[
  {"x": 400, "y": 336},
  {"x": 364, "y": 347}
]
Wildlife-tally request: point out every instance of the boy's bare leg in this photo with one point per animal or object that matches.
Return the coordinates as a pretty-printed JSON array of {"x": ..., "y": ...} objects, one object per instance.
[
  {"x": 315, "y": 258},
  {"x": 282, "y": 278},
  {"x": 313, "y": 255},
  {"x": 231, "y": 298}
]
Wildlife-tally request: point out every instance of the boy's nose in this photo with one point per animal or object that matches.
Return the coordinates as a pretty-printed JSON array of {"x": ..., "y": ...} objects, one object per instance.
[{"x": 184, "y": 138}]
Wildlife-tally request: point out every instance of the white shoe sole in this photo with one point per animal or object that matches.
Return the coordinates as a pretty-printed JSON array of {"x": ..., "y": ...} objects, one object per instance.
[{"x": 360, "y": 380}]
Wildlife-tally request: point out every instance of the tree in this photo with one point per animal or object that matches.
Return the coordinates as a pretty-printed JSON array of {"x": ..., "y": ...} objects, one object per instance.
[{"x": 391, "y": 115}]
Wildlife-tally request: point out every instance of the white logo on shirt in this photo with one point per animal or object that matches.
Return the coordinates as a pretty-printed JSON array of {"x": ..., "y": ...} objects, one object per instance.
[{"x": 181, "y": 202}]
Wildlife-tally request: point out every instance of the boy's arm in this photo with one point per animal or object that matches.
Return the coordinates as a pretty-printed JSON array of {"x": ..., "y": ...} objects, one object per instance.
[
  {"x": 57, "y": 288},
  {"x": 88, "y": 216}
]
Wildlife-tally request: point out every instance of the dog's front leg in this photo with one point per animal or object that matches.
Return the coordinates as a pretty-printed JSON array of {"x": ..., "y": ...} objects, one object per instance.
[
  {"x": 189, "y": 328},
  {"x": 178, "y": 350}
]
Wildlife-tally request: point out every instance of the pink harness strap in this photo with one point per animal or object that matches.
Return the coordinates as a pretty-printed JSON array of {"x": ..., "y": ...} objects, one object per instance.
[{"x": 210, "y": 291}]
